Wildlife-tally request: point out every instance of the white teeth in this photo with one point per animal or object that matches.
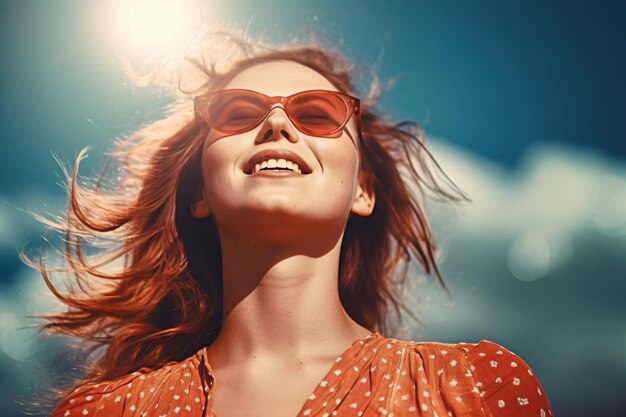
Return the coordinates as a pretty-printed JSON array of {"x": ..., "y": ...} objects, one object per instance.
[{"x": 280, "y": 163}]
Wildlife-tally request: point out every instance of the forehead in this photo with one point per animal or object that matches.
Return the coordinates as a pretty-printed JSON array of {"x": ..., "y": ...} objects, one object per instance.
[{"x": 280, "y": 78}]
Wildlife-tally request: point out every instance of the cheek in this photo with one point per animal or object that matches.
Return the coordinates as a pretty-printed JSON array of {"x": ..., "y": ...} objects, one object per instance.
[
  {"x": 340, "y": 165},
  {"x": 218, "y": 162},
  {"x": 344, "y": 155}
]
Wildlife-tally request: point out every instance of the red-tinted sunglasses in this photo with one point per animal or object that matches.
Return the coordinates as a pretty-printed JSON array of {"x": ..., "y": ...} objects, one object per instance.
[{"x": 313, "y": 112}]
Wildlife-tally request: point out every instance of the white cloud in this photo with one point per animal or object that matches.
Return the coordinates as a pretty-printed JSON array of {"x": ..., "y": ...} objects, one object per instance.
[
  {"x": 555, "y": 193},
  {"x": 556, "y": 188}
]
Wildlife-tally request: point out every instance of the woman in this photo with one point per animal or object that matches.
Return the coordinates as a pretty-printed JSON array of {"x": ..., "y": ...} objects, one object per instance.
[{"x": 265, "y": 226}]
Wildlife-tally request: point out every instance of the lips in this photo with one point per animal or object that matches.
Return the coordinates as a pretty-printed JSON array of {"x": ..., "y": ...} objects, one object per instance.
[{"x": 266, "y": 154}]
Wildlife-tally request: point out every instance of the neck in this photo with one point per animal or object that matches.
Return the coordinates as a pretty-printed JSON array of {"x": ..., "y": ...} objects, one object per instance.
[{"x": 281, "y": 299}]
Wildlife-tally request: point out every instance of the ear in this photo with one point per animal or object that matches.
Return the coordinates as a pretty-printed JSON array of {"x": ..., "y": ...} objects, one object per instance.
[
  {"x": 364, "y": 200},
  {"x": 200, "y": 208}
]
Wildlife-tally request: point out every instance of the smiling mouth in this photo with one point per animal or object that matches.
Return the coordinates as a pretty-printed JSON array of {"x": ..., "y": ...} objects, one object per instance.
[
  {"x": 274, "y": 167},
  {"x": 276, "y": 160},
  {"x": 277, "y": 172}
]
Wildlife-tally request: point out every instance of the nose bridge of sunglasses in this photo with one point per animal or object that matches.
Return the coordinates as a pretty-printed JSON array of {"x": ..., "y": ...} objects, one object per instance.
[{"x": 272, "y": 110}]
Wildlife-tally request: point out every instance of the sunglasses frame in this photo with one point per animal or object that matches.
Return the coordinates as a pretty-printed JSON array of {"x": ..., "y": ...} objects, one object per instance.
[{"x": 202, "y": 103}]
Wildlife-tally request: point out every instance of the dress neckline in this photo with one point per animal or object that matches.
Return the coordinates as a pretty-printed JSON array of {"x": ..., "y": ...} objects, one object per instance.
[
  {"x": 321, "y": 385},
  {"x": 360, "y": 340},
  {"x": 357, "y": 345}
]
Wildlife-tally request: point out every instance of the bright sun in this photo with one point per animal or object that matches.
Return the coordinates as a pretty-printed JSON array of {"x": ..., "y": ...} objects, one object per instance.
[{"x": 152, "y": 26}]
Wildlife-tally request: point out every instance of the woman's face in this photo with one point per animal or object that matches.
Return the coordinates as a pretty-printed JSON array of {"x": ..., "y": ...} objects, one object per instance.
[{"x": 325, "y": 191}]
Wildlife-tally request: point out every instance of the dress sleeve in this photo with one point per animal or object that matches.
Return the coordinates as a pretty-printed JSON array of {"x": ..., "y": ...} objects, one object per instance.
[
  {"x": 507, "y": 385},
  {"x": 92, "y": 400},
  {"x": 177, "y": 387}
]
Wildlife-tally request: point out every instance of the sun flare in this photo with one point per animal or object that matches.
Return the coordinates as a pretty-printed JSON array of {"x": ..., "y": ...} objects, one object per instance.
[{"x": 152, "y": 26}]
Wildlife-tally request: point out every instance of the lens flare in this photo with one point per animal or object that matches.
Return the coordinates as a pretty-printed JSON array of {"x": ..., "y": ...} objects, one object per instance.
[{"x": 152, "y": 26}]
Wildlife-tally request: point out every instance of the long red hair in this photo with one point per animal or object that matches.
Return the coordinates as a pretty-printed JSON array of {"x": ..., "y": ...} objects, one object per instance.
[{"x": 149, "y": 273}]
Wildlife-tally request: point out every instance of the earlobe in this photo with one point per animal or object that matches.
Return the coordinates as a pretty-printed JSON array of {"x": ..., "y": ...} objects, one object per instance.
[{"x": 200, "y": 208}]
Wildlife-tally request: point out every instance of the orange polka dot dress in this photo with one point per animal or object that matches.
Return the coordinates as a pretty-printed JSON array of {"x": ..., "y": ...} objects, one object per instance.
[{"x": 375, "y": 376}]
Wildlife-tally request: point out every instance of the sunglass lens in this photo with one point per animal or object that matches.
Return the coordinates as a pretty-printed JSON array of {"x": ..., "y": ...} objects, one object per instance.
[
  {"x": 236, "y": 111},
  {"x": 317, "y": 112}
]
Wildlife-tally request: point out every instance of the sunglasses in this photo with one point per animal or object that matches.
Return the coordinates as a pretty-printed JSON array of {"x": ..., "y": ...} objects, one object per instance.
[{"x": 313, "y": 112}]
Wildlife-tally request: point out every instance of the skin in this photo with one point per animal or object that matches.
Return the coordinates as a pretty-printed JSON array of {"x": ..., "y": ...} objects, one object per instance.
[{"x": 281, "y": 237}]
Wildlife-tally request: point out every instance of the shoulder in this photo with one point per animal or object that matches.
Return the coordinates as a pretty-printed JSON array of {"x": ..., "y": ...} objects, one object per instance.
[
  {"x": 502, "y": 380},
  {"x": 179, "y": 385}
]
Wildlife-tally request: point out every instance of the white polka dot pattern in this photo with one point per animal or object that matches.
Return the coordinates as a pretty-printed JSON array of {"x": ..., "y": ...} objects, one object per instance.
[{"x": 375, "y": 376}]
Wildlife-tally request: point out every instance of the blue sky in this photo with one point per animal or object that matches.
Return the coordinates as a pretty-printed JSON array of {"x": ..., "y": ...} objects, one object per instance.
[{"x": 524, "y": 105}]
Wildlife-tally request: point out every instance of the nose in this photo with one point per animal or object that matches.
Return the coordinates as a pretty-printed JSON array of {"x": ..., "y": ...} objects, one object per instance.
[{"x": 277, "y": 125}]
